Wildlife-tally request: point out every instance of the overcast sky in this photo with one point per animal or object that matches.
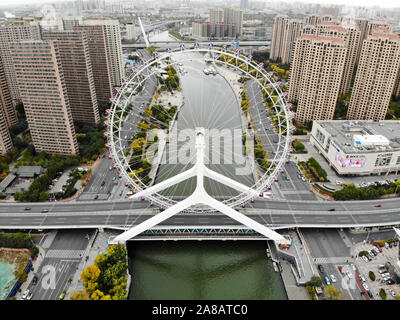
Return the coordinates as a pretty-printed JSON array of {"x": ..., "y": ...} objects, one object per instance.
[{"x": 381, "y": 3}]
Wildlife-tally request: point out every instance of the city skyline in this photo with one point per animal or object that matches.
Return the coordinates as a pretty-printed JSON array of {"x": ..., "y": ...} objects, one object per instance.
[{"x": 355, "y": 3}]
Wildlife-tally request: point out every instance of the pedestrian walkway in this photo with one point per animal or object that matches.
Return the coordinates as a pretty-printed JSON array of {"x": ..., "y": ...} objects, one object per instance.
[
  {"x": 100, "y": 245},
  {"x": 65, "y": 254},
  {"x": 294, "y": 292}
]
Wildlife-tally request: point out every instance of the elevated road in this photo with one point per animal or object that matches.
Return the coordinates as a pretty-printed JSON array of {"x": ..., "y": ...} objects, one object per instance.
[
  {"x": 165, "y": 44},
  {"x": 278, "y": 214}
]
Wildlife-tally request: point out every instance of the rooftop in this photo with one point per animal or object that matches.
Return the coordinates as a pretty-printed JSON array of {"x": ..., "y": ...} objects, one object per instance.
[{"x": 376, "y": 135}]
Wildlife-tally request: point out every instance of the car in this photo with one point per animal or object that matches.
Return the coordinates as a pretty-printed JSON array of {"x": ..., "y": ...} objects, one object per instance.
[
  {"x": 365, "y": 286},
  {"x": 333, "y": 278},
  {"x": 392, "y": 293},
  {"x": 29, "y": 296},
  {"x": 374, "y": 252},
  {"x": 369, "y": 258},
  {"x": 62, "y": 296},
  {"x": 327, "y": 281},
  {"x": 35, "y": 280},
  {"x": 395, "y": 244},
  {"x": 362, "y": 278},
  {"x": 378, "y": 205},
  {"x": 353, "y": 266},
  {"x": 44, "y": 210},
  {"x": 382, "y": 271},
  {"x": 341, "y": 269},
  {"x": 390, "y": 245},
  {"x": 304, "y": 179},
  {"x": 27, "y": 208},
  {"x": 348, "y": 273},
  {"x": 386, "y": 245},
  {"x": 332, "y": 209},
  {"x": 321, "y": 268},
  {"x": 371, "y": 254},
  {"x": 379, "y": 249},
  {"x": 114, "y": 178},
  {"x": 365, "y": 258},
  {"x": 26, "y": 294},
  {"x": 389, "y": 281}
]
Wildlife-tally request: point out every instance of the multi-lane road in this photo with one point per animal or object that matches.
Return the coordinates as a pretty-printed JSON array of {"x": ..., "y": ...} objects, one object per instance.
[{"x": 274, "y": 213}]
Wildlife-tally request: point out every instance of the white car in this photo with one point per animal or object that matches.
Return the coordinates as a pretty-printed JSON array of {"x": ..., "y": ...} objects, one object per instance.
[
  {"x": 26, "y": 294},
  {"x": 365, "y": 287},
  {"x": 365, "y": 258},
  {"x": 392, "y": 293},
  {"x": 29, "y": 297},
  {"x": 333, "y": 278}
]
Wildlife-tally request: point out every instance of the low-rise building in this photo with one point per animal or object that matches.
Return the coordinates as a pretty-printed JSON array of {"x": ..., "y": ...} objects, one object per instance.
[{"x": 358, "y": 147}]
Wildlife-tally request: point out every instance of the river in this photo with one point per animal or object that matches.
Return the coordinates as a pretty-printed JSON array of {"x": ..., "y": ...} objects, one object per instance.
[
  {"x": 210, "y": 103},
  {"x": 200, "y": 270}
]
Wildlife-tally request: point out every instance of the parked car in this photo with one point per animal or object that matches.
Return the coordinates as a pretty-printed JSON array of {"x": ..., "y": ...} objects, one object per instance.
[
  {"x": 365, "y": 286},
  {"x": 333, "y": 278},
  {"x": 26, "y": 294},
  {"x": 341, "y": 269},
  {"x": 35, "y": 280},
  {"x": 386, "y": 245},
  {"x": 389, "y": 281},
  {"x": 362, "y": 278},
  {"x": 390, "y": 245},
  {"x": 379, "y": 249},
  {"x": 365, "y": 258},
  {"x": 321, "y": 268},
  {"x": 29, "y": 296},
  {"x": 349, "y": 274},
  {"x": 327, "y": 281},
  {"x": 353, "y": 266}
]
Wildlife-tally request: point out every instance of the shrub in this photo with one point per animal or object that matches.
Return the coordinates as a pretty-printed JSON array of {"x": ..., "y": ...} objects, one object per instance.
[
  {"x": 372, "y": 276},
  {"x": 382, "y": 293},
  {"x": 363, "y": 253}
]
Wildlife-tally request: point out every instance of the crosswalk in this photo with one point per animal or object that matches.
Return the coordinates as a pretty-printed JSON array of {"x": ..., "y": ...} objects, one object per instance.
[
  {"x": 332, "y": 260},
  {"x": 65, "y": 254}
]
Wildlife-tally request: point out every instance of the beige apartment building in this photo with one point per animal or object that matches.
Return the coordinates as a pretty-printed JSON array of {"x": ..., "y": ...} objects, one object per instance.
[
  {"x": 10, "y": 34},
  {"x": 315, "y": 76},
  {"x": 350, "y": 34},
  {"x": 5, "y": 103},
  {"x": 8, "y": 110},
  {"x": 98, "y": 53},
  {"x": 293, "y": 31},
  {"x": 278, "y": 35},
  {"x": 78, "y": 75},
  {"x": 113, "y": 46},
  {"x": 375, "y": 78},
  {"x": 39, "y": 74}
]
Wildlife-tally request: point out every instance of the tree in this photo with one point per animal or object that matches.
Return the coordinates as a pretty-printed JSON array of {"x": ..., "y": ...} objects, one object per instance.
[
  {"x": 316, "y": 281},
  {"x": 89, "y": 277},
  {"x": 79, "y": 295},
  {"x": 331, "y": 293}
]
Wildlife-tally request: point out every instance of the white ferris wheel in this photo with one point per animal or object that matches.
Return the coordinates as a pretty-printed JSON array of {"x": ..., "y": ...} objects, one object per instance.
[{"x": 174, "y": 94}]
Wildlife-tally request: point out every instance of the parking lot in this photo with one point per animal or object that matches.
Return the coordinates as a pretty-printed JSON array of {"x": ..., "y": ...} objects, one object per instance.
[{"x": 373, "y": 263}]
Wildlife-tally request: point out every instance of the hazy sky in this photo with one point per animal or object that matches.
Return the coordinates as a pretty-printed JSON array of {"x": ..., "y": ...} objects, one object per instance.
[{"x": 381, "y": 3}]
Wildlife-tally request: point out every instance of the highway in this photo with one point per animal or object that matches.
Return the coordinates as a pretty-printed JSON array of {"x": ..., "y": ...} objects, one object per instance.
[{"x": 277, "y": 214}]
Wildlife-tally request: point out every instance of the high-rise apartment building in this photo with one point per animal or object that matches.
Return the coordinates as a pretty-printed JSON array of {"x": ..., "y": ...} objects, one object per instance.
[
  {"x": 39, "y": 74},
  {"x": 315, "y": 76},
  {"x": 5, "y": 104},
  {"x": 216, "y": 15},
  {"x": 375, "y": 78},
  {"x": 234, "y": 16},
  {"x": 98, "y": 53},
  {"x": 113, "y": 46},
  {"x": 77, "y": 72},
  {"x": 9, "y": 34},
  {"x": 350, "y": 34},
  {"x": 293, "y": 31},
  {"x": 278, "y": 35}
]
